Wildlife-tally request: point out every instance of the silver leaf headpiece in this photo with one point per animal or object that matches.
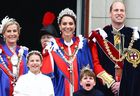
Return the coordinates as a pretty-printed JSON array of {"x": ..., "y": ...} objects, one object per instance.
[
  {"x": 86, "y": 68},
  {"x": 66, "y": 11},
  {"x": 5, "y": 21},
  {"x": 33, "y": 52}
]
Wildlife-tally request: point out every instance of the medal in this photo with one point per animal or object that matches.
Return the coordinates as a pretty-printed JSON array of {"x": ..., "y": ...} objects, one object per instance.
[
  {"x": 133, "y": 57},
  {"x": 14, "y": 59}
]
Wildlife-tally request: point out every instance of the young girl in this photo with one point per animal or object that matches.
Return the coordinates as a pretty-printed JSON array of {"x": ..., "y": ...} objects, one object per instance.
[{"x": 34, "y": 83}]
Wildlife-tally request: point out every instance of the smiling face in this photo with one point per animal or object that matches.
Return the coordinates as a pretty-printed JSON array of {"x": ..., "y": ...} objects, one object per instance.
[
  {"x": 34, "y": 63},
  {"x": 11, "y": 34},
  {"x": 67, "y": 26},
  {"x": 117, "y": 13},
  {"x": 87, "y": 82}
]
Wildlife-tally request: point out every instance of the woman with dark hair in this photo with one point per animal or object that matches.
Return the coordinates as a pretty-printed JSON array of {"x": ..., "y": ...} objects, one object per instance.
[{"x": 69, "y": 55}]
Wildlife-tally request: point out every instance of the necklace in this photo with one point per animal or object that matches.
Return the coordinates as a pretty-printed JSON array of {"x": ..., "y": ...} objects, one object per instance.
[
  {"x": 72, "y": 56},
  {"x": 18, "y": 58},
  {"x": 124, "y": 54},
  {"x": 76, "y": 48}
]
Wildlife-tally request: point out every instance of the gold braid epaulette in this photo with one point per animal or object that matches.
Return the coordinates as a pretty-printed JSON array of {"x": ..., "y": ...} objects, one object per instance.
[{"x": 106, "y": 78}]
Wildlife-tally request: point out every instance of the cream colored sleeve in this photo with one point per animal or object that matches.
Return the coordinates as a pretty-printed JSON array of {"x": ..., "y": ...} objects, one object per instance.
[{"x": 106, "y": 78}]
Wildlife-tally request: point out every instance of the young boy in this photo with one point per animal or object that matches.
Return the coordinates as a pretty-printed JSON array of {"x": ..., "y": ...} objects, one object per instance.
[{"x": 87, "y": 81}]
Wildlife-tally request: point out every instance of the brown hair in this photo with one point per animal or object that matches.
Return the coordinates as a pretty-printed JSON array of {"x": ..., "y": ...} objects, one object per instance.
[
  {"x": 68, "y": 16},
  {"x": 32, "y": 53},
  {"x": 87, "y": 72}
]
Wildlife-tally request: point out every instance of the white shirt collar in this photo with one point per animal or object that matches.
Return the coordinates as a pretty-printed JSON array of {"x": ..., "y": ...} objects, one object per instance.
[
  {"x": 69, "y": 43},
  {"x": 32, "y": 74},
  {"x": 117, "y": 29}
]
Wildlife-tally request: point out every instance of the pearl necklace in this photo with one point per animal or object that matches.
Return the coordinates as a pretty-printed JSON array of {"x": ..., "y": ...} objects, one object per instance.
[{"x": 123, "y": 55}]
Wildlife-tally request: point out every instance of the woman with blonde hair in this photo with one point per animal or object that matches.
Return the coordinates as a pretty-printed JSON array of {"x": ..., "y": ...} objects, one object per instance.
[{"x": 12, "y": 56}]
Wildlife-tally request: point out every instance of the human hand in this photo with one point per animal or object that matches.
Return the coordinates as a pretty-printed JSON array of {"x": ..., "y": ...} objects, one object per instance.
[
  {"x": 48, "y": 46},
  {"x": 115, "y": 87}
]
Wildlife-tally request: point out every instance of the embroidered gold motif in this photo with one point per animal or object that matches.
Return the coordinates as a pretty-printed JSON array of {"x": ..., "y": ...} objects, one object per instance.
[
  {"x": 106, "y": 78},
  {"x": 133, "y": 56},
  {"x": 123, "y": 55},
  {"x": 70, "y": 56}
]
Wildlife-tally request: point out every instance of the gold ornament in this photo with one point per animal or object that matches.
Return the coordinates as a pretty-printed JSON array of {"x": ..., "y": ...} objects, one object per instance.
[{"x": 133, "y": 56}]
